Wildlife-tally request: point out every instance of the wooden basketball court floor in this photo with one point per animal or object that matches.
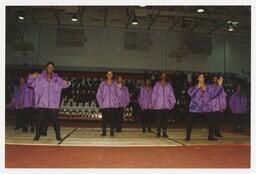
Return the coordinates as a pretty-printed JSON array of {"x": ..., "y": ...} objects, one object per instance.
[
  {"x": 128, "y": 137},
  {"x": 85, "y": 148}
]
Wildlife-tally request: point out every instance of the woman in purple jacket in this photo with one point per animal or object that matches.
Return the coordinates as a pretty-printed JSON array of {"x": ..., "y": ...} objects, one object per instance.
[
  {"x": 28, "y": 103},
  {"x": 47, "y": 87},
  {"x": 200, "y": 104},
  {"x": 108, "y": 98},
  {"x": 124, "y": 101},
  {"x": 163, "y": 100},
  {"x": 218, "y": 106},
  {"x": 145, "y": 102},
  {"x": 17, "y": 104},
  {"x": 238, "y": 106}
]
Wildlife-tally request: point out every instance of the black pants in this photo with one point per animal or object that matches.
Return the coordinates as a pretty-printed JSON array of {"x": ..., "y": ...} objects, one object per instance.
[
  {"x": 217, "y": 116},
  {"x": 238, "y": 121},
  {"x": 119, "y": 121},
  {"x": 29, "y": 117},
  {"x": 190, "y": 121},
  {"x": 162, "y": 116},
  {"x": 43, "y": 114},
  {"x": 147, "y": 118},
  {"x": 109, "y": 116},
  {"x": 18, "y": 118}
]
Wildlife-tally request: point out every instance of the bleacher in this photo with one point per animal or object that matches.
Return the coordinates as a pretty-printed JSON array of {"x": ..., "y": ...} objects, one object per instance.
[{"x": 79, "y": 101}]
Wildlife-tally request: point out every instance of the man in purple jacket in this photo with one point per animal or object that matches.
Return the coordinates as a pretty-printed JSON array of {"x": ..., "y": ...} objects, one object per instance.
[
  {"x": 47, "y": 87},
  {"x": 163, "y": 100},
  {"x": 145, "y": 102},
  {"x": 218, "y": 106},
  {"x": 124, "y": 101},
  {"x": 200, "y": 104},
  {"x": 108, "y": 98},
  {"x": 238, "y": 105}
]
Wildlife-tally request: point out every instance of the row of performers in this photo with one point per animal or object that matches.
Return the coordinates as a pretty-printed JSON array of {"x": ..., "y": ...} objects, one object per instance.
[{"x": 43, "y": 92}]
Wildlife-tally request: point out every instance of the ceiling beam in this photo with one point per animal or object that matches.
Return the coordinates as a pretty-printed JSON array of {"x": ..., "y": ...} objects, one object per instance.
[
  {"x": 81, "y": 13},
  {"x": 56, "y": 14},
  {"x": 224, "y": 22},
  {"x": 142, "y": 12},
  {"x": 128, "y": 12},
  {"x": 153, "y": 19},
  {"x": 31, "y": 11},
  {"x": 174, "y": 23}
]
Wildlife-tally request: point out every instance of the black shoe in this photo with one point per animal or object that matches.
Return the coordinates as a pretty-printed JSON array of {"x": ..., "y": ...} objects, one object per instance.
[
  {"x": 165, "y": 135},
  {"x": 59, "y": 140},
  {"x": 158, "y": 134},
  {"x": 149, "y": 130},
  {"x": 112, "y": 133},
  {"x": 35, "y": 138},
  {"x": 103, "y": 134},
  {"x": 187, "y": 139},
  {"x": 44, "y": 134},
  {"x": 212, "y": 138},
  {"x": 143, "y": 130}
]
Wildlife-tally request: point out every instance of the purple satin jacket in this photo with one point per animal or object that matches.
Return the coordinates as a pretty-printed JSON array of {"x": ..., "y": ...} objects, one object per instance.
[
  {"x": 124, "y": 97},
  {"x": 108, "y": 96},
  {"x": 29, "y": 97},
  {"x": 220, "y": 102},
  {"x": 201, "y": 100},
  {"x": 47, "y": 93},
  {"x": 163, "y": 96},
  {"x": 238, "y": 103},
  {"x": 145, "y": 100},
  {"x": 15, "y": 99}
]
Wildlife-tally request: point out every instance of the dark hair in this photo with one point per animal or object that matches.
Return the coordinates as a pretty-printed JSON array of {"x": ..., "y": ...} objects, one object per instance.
[
  {"x": 50, "y": 63},
  {"x": 200, "y": 74},
  {"x": 147, "y": 79},
  {"x": 162, "y": 73}
]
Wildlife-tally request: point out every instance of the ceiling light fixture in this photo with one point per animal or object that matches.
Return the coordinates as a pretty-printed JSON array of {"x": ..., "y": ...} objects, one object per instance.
[
  {"x": 230, "y": 28},
  {"x": 200, "y": 10},
  {"x": 21, "y": 17},
  {"x": 134, "y": 21},
  {"x": 74, "y": 18}
]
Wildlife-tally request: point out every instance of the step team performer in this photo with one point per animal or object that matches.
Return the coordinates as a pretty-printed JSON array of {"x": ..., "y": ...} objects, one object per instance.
[
  {"x": 218, "y": 106},
  {"x": 124, "y": 102},
  {"x": 163, "y": 100},
  {"x": 47, "y": 87},
  {"x": 145, "y": 102},
  {"x": 28, "y": 104},
  {"x": 201, "y": 96},
  {"x": 108, "y": 98},
  {"x": 238, "y": 106}
]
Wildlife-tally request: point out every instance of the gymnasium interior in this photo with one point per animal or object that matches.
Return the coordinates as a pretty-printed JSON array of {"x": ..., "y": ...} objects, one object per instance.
[{"x": 135, "y": 42}]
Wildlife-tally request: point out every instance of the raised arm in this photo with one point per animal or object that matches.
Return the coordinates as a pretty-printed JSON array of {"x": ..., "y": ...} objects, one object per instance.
[
  {"x": 63, "y": 83},
  {"x": 192, "y": 91},
  {"x": 215, "y": 90},
  {"x": 33, "y": 79}
]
